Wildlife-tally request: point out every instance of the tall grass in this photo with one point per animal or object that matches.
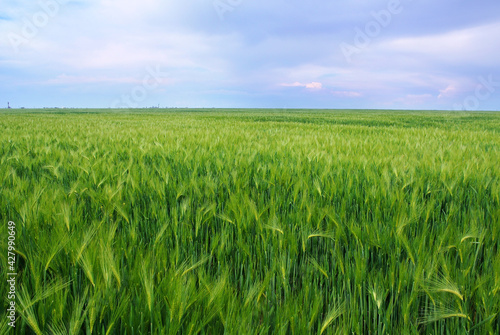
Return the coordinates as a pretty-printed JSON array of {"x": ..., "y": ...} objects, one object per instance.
[{"x": 253, "y": 222}]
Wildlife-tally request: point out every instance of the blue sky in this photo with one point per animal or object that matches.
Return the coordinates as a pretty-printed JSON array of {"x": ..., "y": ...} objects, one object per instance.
[{"x": 394, "y": 54}]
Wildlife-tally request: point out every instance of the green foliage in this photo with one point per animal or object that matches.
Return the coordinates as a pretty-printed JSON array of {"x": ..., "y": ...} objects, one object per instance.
[{"x": 252, "y": 221}]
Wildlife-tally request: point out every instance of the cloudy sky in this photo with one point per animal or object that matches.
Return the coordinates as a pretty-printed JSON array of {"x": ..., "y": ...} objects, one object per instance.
[{"x": 394, "y": 54}]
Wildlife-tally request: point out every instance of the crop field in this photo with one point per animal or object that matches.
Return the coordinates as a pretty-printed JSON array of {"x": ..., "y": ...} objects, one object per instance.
[{"x": 251, "y": 221}]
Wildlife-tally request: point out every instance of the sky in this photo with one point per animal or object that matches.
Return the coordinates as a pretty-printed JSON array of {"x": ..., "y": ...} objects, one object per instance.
[{"x": 378, "y": 54}]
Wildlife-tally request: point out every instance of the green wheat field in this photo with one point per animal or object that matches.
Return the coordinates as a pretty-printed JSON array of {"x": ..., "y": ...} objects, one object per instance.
[{"x": 251, "y": 221}]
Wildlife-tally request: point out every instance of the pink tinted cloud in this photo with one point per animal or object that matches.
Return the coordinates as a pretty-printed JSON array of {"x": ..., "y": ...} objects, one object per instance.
[{"x": 447, "y": 92}]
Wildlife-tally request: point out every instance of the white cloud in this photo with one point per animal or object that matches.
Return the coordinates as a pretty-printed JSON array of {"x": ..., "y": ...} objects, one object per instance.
[
  {"x": 414, "y": 99},
  {"x": 347, "y": 94},
  {"x": 312, "y": 86},
  {"x": 65, "y": 79},
  {"x": 476, "y": 45}
]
